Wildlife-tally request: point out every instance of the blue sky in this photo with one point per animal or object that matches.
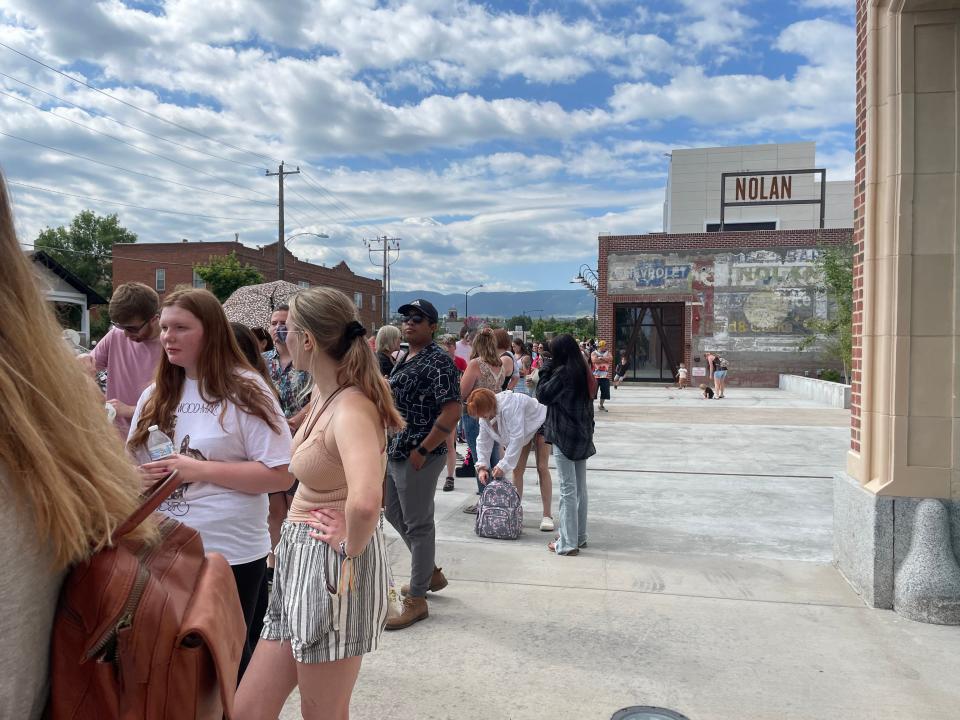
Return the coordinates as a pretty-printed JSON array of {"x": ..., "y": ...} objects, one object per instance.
[{"x": 495, "y": 139}]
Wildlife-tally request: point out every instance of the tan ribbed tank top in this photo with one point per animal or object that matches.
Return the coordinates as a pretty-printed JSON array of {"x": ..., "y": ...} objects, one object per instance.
[{"x": 323, "y": 483}]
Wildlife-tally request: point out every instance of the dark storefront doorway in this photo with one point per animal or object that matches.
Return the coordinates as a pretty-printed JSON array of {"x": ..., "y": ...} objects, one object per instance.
[{"x": 652, "y": 335}]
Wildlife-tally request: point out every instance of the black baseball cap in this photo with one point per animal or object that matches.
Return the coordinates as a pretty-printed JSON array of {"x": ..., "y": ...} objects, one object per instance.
[{"x": 424, "y": 307}]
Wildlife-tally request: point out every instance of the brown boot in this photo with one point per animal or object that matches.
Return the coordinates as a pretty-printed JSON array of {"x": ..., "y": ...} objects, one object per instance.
[
  {"x": 414, "y": 610},
  {"x": 437, "y": 582}
]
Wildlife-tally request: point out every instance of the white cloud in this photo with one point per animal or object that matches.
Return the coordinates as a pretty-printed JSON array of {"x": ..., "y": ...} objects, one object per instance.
[{"x": 409, "y": 112}]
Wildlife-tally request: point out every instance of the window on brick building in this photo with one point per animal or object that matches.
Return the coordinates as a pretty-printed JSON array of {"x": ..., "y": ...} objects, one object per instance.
[
  {"x": 303, "y": 284},
  {"x": 161, "y": 281},
  {"x": 742, "y": 226},
  {"x": 358, "y": 300},
  {"x": 198, "y": 281},
  {"x": 373, "y": 303}
]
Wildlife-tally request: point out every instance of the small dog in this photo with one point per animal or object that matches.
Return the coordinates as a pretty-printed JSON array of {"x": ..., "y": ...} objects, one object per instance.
[{"x": 707, "y": 392}]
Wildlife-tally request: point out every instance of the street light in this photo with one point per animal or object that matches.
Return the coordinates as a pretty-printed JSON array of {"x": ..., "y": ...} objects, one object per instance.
[
  {"x": 466, "y": 301},
  {"x": 587, "y": 277},
  {"x": 323, "y": 236}
]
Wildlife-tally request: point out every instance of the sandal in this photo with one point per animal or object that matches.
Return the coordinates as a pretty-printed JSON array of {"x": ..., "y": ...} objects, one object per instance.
[
  {"x": 470, "y": 510},
  {"x": 552, "y": 547},
  {"x": 448, "y": 485}
]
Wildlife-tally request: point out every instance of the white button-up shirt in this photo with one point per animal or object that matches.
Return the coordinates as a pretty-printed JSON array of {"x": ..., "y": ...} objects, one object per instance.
[{"x": 517, "y": 421}]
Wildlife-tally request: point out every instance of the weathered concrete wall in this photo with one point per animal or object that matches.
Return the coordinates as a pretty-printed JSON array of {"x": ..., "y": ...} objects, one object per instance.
[{"x": 829, "y": 393}]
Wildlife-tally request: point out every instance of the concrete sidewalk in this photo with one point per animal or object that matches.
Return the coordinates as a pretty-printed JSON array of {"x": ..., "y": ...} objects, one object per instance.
[{"x": 706, "y": 588}]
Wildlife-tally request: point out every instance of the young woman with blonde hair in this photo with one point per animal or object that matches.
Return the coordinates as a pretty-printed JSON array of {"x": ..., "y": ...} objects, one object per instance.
[
  {"x": 65, "y": 479},
  {"x": 329, "y": 602},
  {"x": 233, "y": 441},
  {"x": 485, "y": 370}
]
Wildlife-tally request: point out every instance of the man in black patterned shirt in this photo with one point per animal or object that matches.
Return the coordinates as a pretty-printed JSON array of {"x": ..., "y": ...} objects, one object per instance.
[{"x": 426, "y": 391}]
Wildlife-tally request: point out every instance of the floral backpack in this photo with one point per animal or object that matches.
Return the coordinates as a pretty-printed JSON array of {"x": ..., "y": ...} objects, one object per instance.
[{"x": 499, "y": 512}]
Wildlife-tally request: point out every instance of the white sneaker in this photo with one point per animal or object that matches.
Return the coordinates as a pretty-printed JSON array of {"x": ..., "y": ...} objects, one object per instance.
[{"x": 546, "y": 525}]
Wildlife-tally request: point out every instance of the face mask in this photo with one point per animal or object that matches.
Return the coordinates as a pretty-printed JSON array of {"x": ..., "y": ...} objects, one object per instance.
[{"x": 282, "y": 333}]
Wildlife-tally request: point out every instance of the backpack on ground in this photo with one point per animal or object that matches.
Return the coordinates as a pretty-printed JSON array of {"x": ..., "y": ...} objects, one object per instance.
[
  {"x": 499, "y": 512},
  {"x": 149, "y": 632}
]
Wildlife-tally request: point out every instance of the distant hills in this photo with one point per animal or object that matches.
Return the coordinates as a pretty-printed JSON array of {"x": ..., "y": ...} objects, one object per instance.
[{"x": 536, "y": 303}]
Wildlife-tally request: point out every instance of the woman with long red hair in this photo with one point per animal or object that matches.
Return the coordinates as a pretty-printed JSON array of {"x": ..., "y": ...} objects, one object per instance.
[{"x": 233, "y": 442}]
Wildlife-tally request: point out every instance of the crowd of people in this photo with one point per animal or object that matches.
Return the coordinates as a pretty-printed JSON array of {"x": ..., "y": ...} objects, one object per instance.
[{"x": 293, "y": 442}]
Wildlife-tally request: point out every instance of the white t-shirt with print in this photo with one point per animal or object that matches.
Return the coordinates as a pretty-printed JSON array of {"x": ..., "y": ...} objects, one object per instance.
[{"x": 230, "y": 522}]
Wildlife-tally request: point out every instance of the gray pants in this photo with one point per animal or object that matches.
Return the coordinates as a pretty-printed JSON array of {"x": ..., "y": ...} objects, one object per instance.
[{"x": 410, "y": 510}]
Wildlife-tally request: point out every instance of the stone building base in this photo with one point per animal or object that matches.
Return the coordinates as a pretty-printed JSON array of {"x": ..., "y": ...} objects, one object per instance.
[{"x": 898, "y": 552}]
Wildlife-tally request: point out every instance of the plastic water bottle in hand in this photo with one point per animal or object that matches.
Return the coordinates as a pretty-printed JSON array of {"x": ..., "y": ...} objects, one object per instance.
[{"x": 159, "y": 445}]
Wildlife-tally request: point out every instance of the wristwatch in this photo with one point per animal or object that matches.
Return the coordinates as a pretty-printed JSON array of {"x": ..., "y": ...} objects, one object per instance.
[{"x": 422, "y": 450}]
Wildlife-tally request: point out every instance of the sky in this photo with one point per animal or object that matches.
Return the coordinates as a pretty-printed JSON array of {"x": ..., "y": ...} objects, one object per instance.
[{"x": 495, "y": 140}]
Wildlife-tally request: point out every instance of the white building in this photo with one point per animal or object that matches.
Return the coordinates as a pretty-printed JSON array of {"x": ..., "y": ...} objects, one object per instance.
[{"x": 692, "y": 203}]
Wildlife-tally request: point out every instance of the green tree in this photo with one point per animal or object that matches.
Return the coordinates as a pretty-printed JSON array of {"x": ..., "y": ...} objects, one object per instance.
[
  {"x": 524, "y": 321},
  {"x": 225, "y": 273},
  {"x": 85, "y": 247},
  {"x": 835, "y": 268},
  {"x": 580, "y": 327}
]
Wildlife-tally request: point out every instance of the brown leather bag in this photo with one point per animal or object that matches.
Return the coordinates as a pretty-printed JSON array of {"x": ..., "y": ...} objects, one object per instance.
[{"x": 147, "y": 632}]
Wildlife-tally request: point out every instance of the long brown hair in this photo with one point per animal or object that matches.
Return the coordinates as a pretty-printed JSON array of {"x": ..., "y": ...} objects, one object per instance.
[
  {"x": 218, "y": 376},
  {"x": 325, "y": 313},
  {"x": 250, "y": 347},
  {"x": 60, "y": 457}
]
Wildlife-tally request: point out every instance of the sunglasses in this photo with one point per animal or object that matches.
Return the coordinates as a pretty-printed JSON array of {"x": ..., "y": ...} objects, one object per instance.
[
  {"x": 415, "y": 319},
  {"x": 131, "y": 330}
]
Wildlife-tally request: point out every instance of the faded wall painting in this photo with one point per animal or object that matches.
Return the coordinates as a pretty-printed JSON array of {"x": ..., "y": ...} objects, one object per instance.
[{"x": 752, "y": 300}]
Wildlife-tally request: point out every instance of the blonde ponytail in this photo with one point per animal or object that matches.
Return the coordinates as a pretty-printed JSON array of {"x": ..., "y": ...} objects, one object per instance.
[{"x": 331, "y": 317}]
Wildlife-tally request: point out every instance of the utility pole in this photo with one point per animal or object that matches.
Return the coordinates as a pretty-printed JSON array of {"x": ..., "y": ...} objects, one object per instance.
[
  {"x": 280, "y": 231},
  {"x": 386, "y": 246}
]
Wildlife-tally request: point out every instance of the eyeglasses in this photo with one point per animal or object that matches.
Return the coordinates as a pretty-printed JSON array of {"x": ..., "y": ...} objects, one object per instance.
[
  {"x": 415, "y": 319},
  {"x": 132, "y": 330}
]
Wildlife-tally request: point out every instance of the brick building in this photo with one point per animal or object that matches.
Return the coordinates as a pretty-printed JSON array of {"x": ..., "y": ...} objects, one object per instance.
[
  {"x": 164, "y": 266},
  {"x": 742, "y": 282},
  {"x": 670, "y": 298}
]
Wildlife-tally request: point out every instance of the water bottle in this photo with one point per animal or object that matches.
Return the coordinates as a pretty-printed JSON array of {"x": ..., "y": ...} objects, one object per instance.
[{"x": 159, "y": 445}]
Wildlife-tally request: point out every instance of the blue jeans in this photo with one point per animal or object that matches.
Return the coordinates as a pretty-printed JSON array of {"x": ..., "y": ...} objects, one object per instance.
[
  {"x": 471, "y": 427},
  {"x": 572, "y": 518}
]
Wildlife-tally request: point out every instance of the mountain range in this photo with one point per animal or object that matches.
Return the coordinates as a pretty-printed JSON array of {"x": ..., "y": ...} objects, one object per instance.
[{"x": 535, "y": 303}]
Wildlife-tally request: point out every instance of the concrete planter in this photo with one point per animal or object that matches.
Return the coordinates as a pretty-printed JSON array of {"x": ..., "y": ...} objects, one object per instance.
[{"x": 823, "y": 391}]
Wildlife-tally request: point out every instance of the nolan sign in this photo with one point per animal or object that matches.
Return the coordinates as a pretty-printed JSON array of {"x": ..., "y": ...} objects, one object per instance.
[
  {"x": 768, "y": 187},
  {"x": 778, "y": 187}
]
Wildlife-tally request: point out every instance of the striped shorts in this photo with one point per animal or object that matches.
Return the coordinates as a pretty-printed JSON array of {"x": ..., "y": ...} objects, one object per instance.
[{"x": 307, "y": 608}]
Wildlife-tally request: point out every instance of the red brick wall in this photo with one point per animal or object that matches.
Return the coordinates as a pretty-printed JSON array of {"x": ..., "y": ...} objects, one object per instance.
[
  {"x": 859, "y": 207},
  {"x": 668, "y": 242},
  {"x": 139, "y": 262}
]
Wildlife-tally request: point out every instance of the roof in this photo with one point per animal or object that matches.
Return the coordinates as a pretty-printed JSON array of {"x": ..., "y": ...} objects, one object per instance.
[{"x": 42, "y": 258}]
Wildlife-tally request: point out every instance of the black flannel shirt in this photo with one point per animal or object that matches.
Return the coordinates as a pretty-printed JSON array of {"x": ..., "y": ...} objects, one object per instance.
[
  {"x": 569, "y": 423},
  {"x": 421, "y": 386}
]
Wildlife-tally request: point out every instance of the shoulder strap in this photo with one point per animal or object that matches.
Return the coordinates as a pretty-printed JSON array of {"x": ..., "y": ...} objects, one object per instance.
[
  {"x": 158, "y": 492},
  {"x": 323, "y": 409}
]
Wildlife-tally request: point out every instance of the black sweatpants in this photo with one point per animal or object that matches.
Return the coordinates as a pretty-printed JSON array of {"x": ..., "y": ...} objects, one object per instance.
[{"x": 249, "y": 577}]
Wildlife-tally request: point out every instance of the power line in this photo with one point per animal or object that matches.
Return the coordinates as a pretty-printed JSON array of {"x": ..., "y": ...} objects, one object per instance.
[
  {"x": 317, "y": 186},
  {"x": 127, "y": 170},
  {"x": 131, "y": 105},
  {"x": 138, "y": 207},
  {"x": 100, "y": 113},
  {"x": 109, "y": 256},
  {"x": 140, "y": 149}
]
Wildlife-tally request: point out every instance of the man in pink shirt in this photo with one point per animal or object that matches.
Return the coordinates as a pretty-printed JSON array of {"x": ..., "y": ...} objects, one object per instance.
[{"x": 131, "y": 350}]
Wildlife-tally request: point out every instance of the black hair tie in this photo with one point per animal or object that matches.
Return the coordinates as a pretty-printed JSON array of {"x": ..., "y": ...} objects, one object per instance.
[{"x": 354, "y": 330}]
